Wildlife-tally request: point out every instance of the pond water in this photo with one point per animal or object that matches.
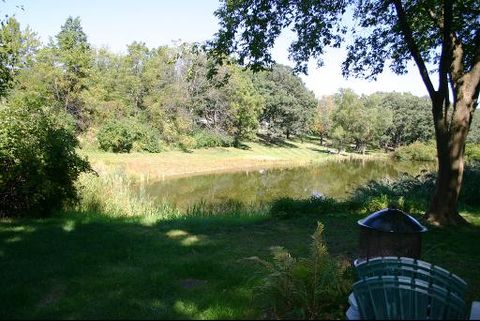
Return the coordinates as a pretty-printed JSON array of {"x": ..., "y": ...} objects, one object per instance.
[{"x": 335, "y": 179}]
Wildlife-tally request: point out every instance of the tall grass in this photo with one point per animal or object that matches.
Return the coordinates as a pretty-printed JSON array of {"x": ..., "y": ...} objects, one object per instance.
[{"x": 117, "y": 195}]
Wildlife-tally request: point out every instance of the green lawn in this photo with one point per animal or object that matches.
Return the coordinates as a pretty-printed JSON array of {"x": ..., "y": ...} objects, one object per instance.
[{"x": 92, "y": 267}]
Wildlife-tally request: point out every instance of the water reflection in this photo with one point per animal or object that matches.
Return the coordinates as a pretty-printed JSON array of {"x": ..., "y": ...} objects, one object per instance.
[{"x": 334, "y": 179}]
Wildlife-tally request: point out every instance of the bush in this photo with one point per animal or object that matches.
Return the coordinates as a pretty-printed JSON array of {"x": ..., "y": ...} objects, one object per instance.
[
  {"x": 285, "y": 208},
  {"x": 417, "y": 151},
  {"x": 38, "y": 162},
  {"x": 412, "y": 194},
  {"x": 207, "y": 138},
  {"x": 472, "y": 153},
  {"x": 307, "y": 288},
  {"x": 126, "y": 135},
  {"x": 115, "y": 136},
  {"x": 145, "y": 138}
]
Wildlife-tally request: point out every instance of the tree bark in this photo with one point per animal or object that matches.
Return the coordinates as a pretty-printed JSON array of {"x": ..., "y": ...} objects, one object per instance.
[{"x": 450, "y": 140}]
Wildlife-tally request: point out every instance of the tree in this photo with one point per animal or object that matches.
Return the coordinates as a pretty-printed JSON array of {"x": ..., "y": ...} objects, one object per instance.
[
  {"x": 361, "y": 118},
  {"x": 322, "y": 123},
  {"x": 16, "y": 51},
  {"x": 443, "y": 34},
  {"x": 413, "y": 121},
  {"x": 75, "y": 59},
  {"x": 38, "y": 161},
  {"x": 289, "y": 105}
]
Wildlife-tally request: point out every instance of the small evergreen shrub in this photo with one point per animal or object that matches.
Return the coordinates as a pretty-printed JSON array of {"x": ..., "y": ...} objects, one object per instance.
[
  {"x": 38, "y": 161},
  {"x": 416, "y": 151},
  {"x": 309, "y": 288}
]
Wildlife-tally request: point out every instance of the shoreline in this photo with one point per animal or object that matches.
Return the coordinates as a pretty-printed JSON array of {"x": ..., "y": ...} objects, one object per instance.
[{"x": 175, "y": 164}]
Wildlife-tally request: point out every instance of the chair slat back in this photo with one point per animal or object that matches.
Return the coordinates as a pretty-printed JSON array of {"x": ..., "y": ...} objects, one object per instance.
[
  {"x": 417, "y": 269},
  {"x": 405, "y": 298}
]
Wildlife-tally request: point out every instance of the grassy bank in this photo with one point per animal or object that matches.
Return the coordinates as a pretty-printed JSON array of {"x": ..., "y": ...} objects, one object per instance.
[{"x": 220, "y": 159}]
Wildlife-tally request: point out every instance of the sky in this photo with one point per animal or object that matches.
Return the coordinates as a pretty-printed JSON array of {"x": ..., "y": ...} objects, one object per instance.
[{"x": 116, "y": 23}]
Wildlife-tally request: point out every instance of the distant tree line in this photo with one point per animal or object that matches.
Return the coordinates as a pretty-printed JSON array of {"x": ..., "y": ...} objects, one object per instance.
[{"x": 148, "y": 99}]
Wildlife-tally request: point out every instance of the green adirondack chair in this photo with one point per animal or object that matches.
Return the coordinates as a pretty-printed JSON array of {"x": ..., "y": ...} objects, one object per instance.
[
  {"x": 405, "y": 298},
  {"x": 417, "y": 269}
]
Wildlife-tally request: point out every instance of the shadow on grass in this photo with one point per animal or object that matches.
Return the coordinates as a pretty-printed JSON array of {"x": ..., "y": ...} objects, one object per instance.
[
  {"x": 274, "y": 141},
  {"x": 189, "y": 268},
  {"x": 98, "y": 268}
]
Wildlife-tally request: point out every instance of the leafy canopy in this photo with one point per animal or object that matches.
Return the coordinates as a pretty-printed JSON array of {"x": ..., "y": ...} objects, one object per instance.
[{"x": 249, "y": 29}]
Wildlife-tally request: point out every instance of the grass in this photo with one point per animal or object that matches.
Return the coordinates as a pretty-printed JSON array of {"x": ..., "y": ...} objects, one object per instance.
[
  {"x": 89, "y": 266},
  {"x": 208, "y": 160},
  {"x": 117, "y": 256}
]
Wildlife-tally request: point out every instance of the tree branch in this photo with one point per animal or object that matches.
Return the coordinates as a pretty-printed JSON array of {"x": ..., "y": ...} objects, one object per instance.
[
  {"x": 474, "y": 73},
  {"x": 413, "y": 48}
]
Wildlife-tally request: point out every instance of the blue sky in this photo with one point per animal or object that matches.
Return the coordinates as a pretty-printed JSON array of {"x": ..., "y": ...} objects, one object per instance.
[{"x": 116, "y": 23}]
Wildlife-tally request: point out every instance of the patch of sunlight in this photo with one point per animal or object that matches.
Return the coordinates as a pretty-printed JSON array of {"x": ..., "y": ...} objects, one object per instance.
[
  {"x": 186, "y": 308},
  {"x": 186, "y": 238},
  {"x": 194, "y": 239},
  {"x": 174, "y": 234},
  {"x": 25, "y": 229},
  {"x": 218, "y": 312},
  {"x": 13, "y": 239},
  {"x": 69, "y": 226}
]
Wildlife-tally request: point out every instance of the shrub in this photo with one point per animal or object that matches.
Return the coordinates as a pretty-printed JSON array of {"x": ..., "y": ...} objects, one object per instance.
[
  {"x": 207, "y": 138},
  {"x": 145, "y": 138},
  {"x": 472, "y": 153},
  {"x": 306, "y": 288},
  {"x": 38, "y": 162},
  {"x": 417, "y": 151},
  {"x": 116, "y": 136},
  {"x": 412, "y": 194},
  {"x": 285, "y": 208},
  {"x": 471, "y": 185},
  {"x": 125, "y": 135}
]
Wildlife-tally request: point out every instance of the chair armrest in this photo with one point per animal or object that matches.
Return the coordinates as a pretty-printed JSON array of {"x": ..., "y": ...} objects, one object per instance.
[{"x": 475, "y": 312}]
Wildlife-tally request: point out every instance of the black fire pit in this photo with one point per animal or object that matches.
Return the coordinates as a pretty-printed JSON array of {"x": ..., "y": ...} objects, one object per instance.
[{"x": 390, "y": 232}]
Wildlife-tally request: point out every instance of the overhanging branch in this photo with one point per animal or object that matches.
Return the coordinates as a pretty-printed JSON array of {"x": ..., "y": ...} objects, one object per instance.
[{"x": 413, "y": 48}]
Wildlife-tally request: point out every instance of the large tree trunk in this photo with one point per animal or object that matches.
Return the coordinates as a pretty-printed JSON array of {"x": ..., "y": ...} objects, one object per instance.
[{"x": 450, "y": 138}]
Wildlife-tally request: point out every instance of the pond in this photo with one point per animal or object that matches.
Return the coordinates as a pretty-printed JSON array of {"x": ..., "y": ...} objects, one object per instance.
[{"x": 335, "y": 179}]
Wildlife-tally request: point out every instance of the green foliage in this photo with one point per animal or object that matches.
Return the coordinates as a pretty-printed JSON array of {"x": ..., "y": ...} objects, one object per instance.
[
  {"x": 417, "y": 151},
  {"x": 412, "y": 194},
  {"x": 472, "y": 152},
  {"x": 474, "y": 133},
  {"x": 362, "y": 120},
  {"x": 123, "y": 135},
  {"x": 412, "y": 118},
  {"x": 207, "y": 138},
  {"x": 289, "y": 106},
  {"x": 408, "y": 193},
  {"x": 16, "y": 51},
  {"x": 38, "y": 162},
  {"x": 73, "y": 53},
  {"x": 116, "y": 136},
  {"x": 285, "y": 208},
  {"x": 307, "y": 288}
]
